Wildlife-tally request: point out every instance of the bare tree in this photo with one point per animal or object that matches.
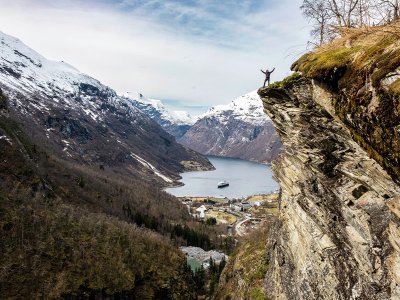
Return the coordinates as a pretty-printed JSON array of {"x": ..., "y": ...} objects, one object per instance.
[
  {"x": 317, "y": 11},
  {"x": 389, "y": 9},
  {"x": 343, "y": 11},
  {"x": 328, "y": 15},
  {"x": 364, "y": 13}
]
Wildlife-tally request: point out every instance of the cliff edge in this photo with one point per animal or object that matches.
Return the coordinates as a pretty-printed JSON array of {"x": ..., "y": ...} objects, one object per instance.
[{"x": 337, "y": 236}]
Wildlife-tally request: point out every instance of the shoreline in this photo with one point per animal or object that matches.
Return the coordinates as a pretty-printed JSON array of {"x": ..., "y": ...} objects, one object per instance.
[{"x": 203, "y": 198}]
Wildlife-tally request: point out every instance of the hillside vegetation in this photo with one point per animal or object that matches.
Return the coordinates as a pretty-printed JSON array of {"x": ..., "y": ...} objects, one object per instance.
[
  {"x": 244, "y": 275},
  {"x": 362, "y": 70},
  {"x": 69, "y": 231}
]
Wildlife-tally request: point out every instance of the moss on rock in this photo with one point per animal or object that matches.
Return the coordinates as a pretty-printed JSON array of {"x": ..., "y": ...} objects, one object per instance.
[
  {"x": 355, "y": 69},
  {"x": 285, "y": 82}
]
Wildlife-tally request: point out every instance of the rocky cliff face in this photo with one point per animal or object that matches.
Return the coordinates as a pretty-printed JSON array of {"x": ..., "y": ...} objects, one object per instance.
[
  {"x": 338, "y": 232},
  {"x": 239, "y": 129},
  {"x": 361, "y": 72}
]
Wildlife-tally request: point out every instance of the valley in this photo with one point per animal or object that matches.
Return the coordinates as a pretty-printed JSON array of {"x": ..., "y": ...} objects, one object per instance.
[
  {"x": 236, "y": 211},
  {"x": 81, "y": 198},
  {"x": 286, "y": 192}
]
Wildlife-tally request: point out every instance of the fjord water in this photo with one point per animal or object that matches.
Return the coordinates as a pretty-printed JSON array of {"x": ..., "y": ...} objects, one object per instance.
[{"x": 245, "y": 178}]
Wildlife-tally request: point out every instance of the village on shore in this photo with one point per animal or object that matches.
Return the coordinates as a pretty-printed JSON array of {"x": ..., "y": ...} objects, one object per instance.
[{"x": 240, "y": 216}]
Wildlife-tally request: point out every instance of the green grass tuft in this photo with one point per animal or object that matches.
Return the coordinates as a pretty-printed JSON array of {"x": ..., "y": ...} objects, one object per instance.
[
  {"x": 285, "y": 82},
  {"x": 350, "y": 68},
  {"x": 317, "y": 64}
]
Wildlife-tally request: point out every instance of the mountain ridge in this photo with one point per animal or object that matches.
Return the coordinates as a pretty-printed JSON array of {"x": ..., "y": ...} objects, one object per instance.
[
  {"x": 239, "y": 129},
  {"x": 83, "y": 120},
  {"x": 175, "y": 122},
  {"x": 82, "y": 212}
]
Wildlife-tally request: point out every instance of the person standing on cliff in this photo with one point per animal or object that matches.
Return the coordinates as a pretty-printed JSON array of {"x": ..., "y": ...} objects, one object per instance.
[{"x": 267, "y": 75}]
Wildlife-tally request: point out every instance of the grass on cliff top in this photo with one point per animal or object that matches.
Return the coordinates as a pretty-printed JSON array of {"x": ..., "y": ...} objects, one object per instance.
[
  {"x": 285, "y": 82},
  {"x": 349, "y": 66},
  {"x": 374, "y": 50}
]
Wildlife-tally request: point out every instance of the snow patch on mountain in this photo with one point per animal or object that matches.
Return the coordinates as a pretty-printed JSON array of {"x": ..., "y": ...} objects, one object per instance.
[
  {"x": 26, "y": 71},
  {"x": 247, "y": 108},
  {"x": 32, "y": 71},
  {"x": 77, "y": 117},
  {"x": 239, "y": 129},
  {"x": 151, "y": 167},
  {"x": 3, "y": 137},
  {"x": 177, "y": 117}
]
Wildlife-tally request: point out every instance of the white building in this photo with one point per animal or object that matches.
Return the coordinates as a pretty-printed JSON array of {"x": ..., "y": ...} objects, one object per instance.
[{"x": 201, "y": 211}]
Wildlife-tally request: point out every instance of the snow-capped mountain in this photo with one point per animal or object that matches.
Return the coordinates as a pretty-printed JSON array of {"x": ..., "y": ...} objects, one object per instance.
[
  {"x": 82, "y": 120},
  {"x": 176, "y": 123},
  {"x": 247, "y": 108},
  {"x": 239, "y": 129}
]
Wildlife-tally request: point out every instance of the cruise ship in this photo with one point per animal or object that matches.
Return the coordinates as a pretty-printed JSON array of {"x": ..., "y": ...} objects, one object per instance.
[{"x": 223, "y": 184}]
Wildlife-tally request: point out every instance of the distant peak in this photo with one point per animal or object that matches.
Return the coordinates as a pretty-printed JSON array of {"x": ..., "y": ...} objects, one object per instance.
[
  {"x": 247, "y": 107},
  {"x": 179, "y": 117}
]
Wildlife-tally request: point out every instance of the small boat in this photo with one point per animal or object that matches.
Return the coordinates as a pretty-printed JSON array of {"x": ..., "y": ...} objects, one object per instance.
[{"x": 223, "y": 184}]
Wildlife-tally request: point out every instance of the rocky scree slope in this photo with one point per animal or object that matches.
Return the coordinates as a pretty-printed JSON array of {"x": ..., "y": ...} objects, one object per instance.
[
  {"x": 240, "y": 129},
  {"x": 338, "y": 234},
  {"x": 176, "y": 123},
  {"x": 82, "y": 120}
]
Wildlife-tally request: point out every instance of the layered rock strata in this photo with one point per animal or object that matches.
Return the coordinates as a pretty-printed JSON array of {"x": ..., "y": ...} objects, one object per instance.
[{"x": 338, "y": 233}]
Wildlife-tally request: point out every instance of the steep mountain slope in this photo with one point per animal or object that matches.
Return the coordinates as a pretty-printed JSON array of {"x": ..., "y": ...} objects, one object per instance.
[
  {"x": 176, "y": 123},
  {"x": 81, "y": 211},
  {"x": 337, "y": 236},
  {"x": 67, "y": 232},
  {"x": 240, "y": 129},
  {"x": 84, "y": 121}
]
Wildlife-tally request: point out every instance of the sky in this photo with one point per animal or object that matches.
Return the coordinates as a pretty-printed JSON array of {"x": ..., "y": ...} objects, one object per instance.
[{"x": 191, "y": 54}]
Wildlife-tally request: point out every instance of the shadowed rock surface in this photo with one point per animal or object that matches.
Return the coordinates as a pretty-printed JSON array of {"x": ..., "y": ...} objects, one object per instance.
[{"x": 337, "y": 236}]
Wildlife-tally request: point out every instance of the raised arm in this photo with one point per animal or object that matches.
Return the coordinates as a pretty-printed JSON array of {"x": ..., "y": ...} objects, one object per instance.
[
  {"x": 263, "y": 71},
  {"x": 273, "y": 70}
]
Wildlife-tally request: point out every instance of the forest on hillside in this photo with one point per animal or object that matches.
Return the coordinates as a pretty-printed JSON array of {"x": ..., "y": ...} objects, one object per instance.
[{"x": 72, "y": 231}]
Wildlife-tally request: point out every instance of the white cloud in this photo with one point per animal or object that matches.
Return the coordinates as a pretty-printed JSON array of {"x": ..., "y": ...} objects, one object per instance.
[{"x": 136, "y": 51}]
